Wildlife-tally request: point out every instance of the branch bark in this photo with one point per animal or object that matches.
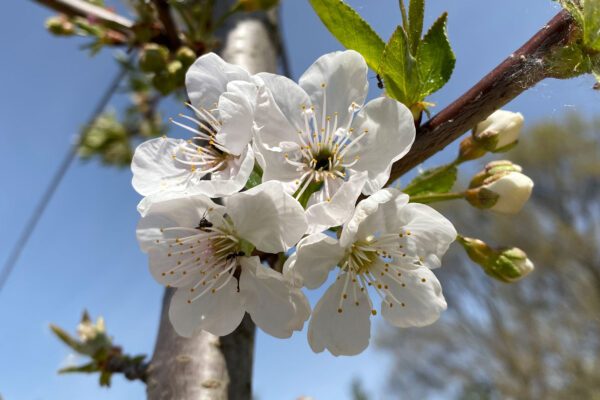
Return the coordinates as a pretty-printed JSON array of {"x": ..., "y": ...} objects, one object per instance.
[
  {"x": 164, "y": 14},
  {"x": 206, "y": 367},
  {"x": 520, "y": 71}
]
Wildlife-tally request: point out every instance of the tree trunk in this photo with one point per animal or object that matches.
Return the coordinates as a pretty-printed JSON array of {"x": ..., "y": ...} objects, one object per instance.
[{"x": 208, "y": 367}]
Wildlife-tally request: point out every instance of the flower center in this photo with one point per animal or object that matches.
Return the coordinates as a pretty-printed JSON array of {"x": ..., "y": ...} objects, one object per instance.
[
  {"x": 203, "y": 152},
  {"x": 206, "y": 259},
  {"x": 375, "y": 263},
  {"x": 323, "y": 154}
]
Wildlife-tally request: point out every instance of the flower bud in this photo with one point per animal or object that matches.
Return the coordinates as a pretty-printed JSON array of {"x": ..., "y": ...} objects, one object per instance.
[
  {"x": 153, "y": 58},
  {"x": 186, "y": 56},
  {"x": 499, "y": 132},
  {"x": 505, "y": 264},
  {"x": 253, "y": 5},
  {"x": 60, "y": 26},
  {"x": 501, "y": 188},
  {"x": 93, "y": 336}
]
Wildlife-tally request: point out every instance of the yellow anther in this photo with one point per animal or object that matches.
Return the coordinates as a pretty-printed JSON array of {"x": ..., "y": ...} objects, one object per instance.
[
  {"x": 192, "y": 289},
  {"x": 421, "y": 259},
  {"x": 423, "y": 280},
  {"x": 373, "y": 312},
  {"x": 322, "y": 85},
  {"x": 357, "y": 157},
  {"x": 335, "y": 113},
  {"x": 303, "y": 107},
  {"x": 170, "y": 119},
  {"x": 408, "y": 233},
  {"x": 328, "y": 118},
  {"x": 164, "y": 136},
  {"x": 402, "y": 304},
  {"x": 339, "y": 310},
  {"x": 189, "y": 302},
  {"x": 163, "y": 274},
  {"x": 329, "y": 199},
  {"x": 366, "y": 131},
  {"x": 285, "y": 155}
]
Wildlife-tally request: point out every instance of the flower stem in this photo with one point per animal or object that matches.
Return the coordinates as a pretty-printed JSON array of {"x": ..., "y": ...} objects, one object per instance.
[{"x": 432, "y": 198}]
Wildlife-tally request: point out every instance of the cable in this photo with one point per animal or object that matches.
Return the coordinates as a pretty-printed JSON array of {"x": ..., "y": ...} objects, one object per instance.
[{"x": 55, "y": 181}]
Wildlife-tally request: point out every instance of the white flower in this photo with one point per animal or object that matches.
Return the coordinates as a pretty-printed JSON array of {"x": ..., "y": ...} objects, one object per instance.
[
  {"x": 223, "y": 97},
  {"x": 504, "y": 125},
  {"x": 504, "y": 193},
  {"x": 204, "y": 250},
  {"x": 387, "y": 248},
  {"x": 308, "y": 134}
]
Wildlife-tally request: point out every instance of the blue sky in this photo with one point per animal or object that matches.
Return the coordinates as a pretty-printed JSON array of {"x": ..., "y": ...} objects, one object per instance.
[{"x": 84, "y": 253}]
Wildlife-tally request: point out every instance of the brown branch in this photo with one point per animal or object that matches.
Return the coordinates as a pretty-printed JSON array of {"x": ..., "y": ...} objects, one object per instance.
[
  {"x": 520, "y": 71},
  {"x": 164, "y": 14},
  {"x": 80, "y": 8},
  {"x": 132, "y": 371}
]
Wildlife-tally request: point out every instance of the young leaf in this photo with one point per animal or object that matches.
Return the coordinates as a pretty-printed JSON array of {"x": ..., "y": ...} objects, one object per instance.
[
  {"x": 399, "y": 69},
  {"x": 435, "y": 59},
  {"x": 435, "y": 180},
  {"x": 591, "y": 24},
  {"x": 87, "y": 368},
  {"x": 350, "y": 29},
  {"x": 416, "y": 11},
  {"x": 573, "y": 9}
]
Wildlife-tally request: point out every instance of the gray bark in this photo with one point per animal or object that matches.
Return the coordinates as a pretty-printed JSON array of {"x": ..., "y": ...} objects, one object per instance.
[{"x": 208, "y": 367}]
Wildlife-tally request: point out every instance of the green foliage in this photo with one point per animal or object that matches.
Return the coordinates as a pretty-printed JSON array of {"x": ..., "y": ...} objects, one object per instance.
[
  {"x": 416, "y": 13},
  {"x": 433, "y": 181},
  {"x": 435, "y": 59},
  {"x": 591, "y": 24},
  {"x": 399, "y": 69},
  {"x": 255, "y": 177},
  {"x": 350, "y": 29},
  {"x": 312, "y": 187}
]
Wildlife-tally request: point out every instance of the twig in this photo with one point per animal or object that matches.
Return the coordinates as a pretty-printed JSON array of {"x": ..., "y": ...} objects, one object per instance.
[
  {"x": 164, "y": 14},
  {"x": 84, "y": 9},
  {"x": 519, "y": 72},
  {"x": 132, "y": 371}
]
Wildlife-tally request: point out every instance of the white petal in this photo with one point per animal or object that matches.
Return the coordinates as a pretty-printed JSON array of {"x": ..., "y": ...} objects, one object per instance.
[
  {"x": 316, "y": 255},
  {"x": 514, "y": 189},
  {"x": 155, "y": 170},
  {"x": 208, "y": 77},
  {"x": 391, "y": 133},
  {"x": 230, "y": 179},
  {"x": 418, "y": 303},
  {"x": 346, "y": 333},
  {"x": 276, "y": 307},
  {"x": 275, "y": 168},
  {"x": 326, "y": 214},
  {"x": 267, "y": 217},
  {"x": 285, "y": 96},
  {"x": 181, "y": 212},
  {"x": 218, "y": 313},
  {"x": 344, "y": 74},
  {"x": 357, "y": 229},
  {"x": 236, "y": 111}
]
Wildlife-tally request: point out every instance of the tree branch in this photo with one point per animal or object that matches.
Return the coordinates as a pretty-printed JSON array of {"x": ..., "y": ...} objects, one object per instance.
[
  {"x": 164, "y": 14},
  {"x": 132, "y": 371},
  {"x": 520, "y": 71},
  {"x": 84, "y": 9}
]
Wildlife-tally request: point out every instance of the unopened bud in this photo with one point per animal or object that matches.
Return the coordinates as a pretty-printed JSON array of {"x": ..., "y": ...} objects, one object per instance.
[
  {"x": 505, "y": 264},
  {"x": 186, "y": 56},
  {"x": 60, "y": 26},
  {"x": 253, "y": 5},
  {"x": 499, "y": 132},
  {"x": 501, "y": 188},
  {"x": 153, "y": 58},
  {"x": 93, "y": 336}
]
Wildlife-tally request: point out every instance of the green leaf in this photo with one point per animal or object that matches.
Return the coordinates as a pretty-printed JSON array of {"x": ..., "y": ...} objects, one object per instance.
[
  {"x": 87, "y": 369},
  {"x": 567, "y": 62},
  {"x": 105, "y": 379},
  {"x": 350, "y": 29},
  {"x": 591, "y": 24},
  {"x": 416, "y": 12},
  {"x": 67, "y": 339},
  {"x": 435, "y": 59},
  {"x": 399, "y": 69},
  {"x": 432, "y": 181}
]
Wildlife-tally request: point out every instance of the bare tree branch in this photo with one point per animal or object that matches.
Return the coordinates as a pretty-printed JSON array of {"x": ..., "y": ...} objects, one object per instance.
[
  {"x": 164, "y": 14},
  {"x": 520, "y": 71}
]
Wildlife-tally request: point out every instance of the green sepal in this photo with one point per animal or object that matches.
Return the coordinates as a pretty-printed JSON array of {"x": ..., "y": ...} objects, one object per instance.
[
  {"x": 350, "y": 29},
  {"x": 399, "y": 69},
  {"x": 432, "y": 181},
  {"x": 312, "y": 187},
  {"x": 255, "y": 177},
  {"x": 435, "y": 59},
  {"x": 67, "y": 339}
]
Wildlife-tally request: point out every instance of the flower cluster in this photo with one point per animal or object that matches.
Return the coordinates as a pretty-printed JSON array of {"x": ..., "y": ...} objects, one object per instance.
[{"x": 315, "y": 147}]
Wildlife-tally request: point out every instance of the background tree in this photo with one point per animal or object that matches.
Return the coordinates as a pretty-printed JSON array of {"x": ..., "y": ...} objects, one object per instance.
[{"x": 538, "y": 338}]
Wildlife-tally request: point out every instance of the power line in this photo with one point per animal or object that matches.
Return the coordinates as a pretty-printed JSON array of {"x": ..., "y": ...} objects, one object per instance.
[{"x": 55, "y": 181}]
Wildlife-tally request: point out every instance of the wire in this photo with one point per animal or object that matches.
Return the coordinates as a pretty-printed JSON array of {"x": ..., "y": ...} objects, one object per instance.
[{"x": 55, "y": 181}]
